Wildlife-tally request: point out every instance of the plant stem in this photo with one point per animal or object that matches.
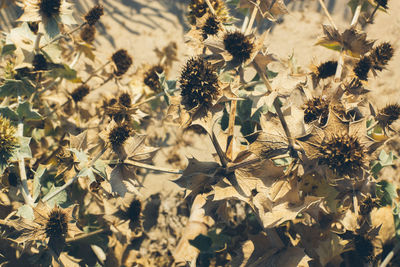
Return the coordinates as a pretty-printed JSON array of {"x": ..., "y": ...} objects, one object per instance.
[
  {"x": 232, "y": 117},
  {"x": 390, "y": 256},
  {"x": 64, "y": 36},
  {"x": 72, "y": 180},
  {"x": 369, "y": 20},
  {"x": 321, "y": 2},
  {"x": 283, "y": 122},
  {"x": 37, "y": 42},
  {"x": 83, "y": 236},
  {"x": 245, "y": 21},
  {"x": 150, "y": 99},
  {"x": 262, "y": 75},
  {"x": 95, "y": 71},
  {"x": 252, "y": 19},
  {"x": 354, "y": 21},
  {"x": 210, "y": 7},
  {"x": 151, "y": 167},
  {"x": 22, "y": 172},
  {"x": 242, "y": 164}
]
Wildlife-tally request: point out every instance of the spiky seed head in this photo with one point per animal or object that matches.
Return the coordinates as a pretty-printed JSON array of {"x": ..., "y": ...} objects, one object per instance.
[
  {"x": 381, "y": 55},
  {"x": 8, "y": 140},
  {"x": 118, "y": 135},
  {"x": 388, "y": 115},
  {"x": 343, "y": 154},
  {"x": 316, "y": 108},
  {"x": 34, "y": 26},
  {"x": 49, "y": 8},
  {"x": 367, "y": 205},
  {"x": 88, "y": 33},
  {"x": 362, "y": 68},
  {"x": 134, "y": 209},
  {"x": 151, "y": 78},
  {"x": 326, "y": 69},
  {"x": 199, "y": 83},
  {"x": 382, "y": 3},
  {"x": 57, "y": 224},
  {"x": 122, "y": 61},
  {"x": 125, "y": 100},
  {"x": 80, "y": 92},
  {"x": 238, "y": 45},
  {"x": 39, "y": 62},
  {"x": 198, "y": 8},
  {"x": 211, "y": 26},
  {"x": 94, "y": 15}
]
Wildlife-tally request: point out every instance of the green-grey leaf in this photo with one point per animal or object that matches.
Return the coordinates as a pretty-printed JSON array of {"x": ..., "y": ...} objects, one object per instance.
[
  {"x": 36, "y": 181},
  {"x": 26, "y": 211},
  {"x": 26, "y": 113},
  {"x": 8, "y": 113},
  {"x": 16, "y": 88}
]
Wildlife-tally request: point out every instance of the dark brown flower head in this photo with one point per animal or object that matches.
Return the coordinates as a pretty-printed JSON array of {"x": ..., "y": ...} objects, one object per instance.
[
  {"x": 39, "y": 62},
  {"x": 80, "y": 92},
  {"x": 151, "y": 78},
  {"x": 364, "y": 247},
  {"x": 57, "y": 224},
  {"x": 125, "y": 100},
  {"x": 367, "y": 205},
  {"x": 388, "y": 115},
  {"x": 88, "y": 33},
  {"x": 122, "y": 61},
  {"x": 8, "y": 141},
  {"x": 49, "y": 8},
  {"x": 238, "y": 45},
  {"x": 198, "y": 8},
  {"x": 211, "y": 26},
  {"x": 199, "y": 83},
  {"x": 94, "y": 15},
  {"x": 118, "y": 135},
  {"x": 316, "y": 108},
  {"x": 134, "y": 209},
  {"x": 362, "y": 68},
  {"x": 382, "y": 3},
  {"x": 326, "y": 69},
  {"x": 34, "y": 26},
  {"x": 381, "y": 55},
  {"x": 343, "y": 154}
]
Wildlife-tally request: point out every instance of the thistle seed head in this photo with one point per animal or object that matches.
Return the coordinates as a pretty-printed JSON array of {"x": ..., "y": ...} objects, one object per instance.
[
  {"x": 39, "y": 62},
  {"x": 238, "y": 45},
  {"x": 34, "y": 26},
  {"x": 199, "y": 83},
  {"x": 122, "y": 61},
  {"x": 382, "y": 3},
  {"x": 388, "y": 115},
  {"x": 125, "y": 100},
  {"x": 88, "y": 33},
  {"x": 57, "y": 224},
  {"x": 326, "y": 69},
  {"x": 362, "y": 68},
  {"x": 211, "y": 26},
  {"x": 80, "y": 92},
  {"x": 94, "y": 15},
  {"x": 49, "y": 8},
  {"x": 151, "y": 78},
  {"x": 316, "y": 108},
  {"x": 381, "y": 55},
  {"x": 8, "y": 141},
  {"x": 343, "y": 154},
  {"x": 119, "y": 135}
]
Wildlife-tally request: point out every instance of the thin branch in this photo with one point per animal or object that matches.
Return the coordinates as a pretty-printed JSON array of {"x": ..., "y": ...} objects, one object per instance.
[
  {"x": 390, "y": 256},
  {"x": 354, "y": 21},
  {"x": 321, "y": 2},
  {"x": 242, "y": 164},
  {"x": 95, "y": 71},
  {"x": 231, "y": 127},
  {"x": 211, "y": 7},
  {"x": 262, "y": 75},
  {"x": 369, "y": 20},
  {"x": 252, "y": 19},
  {"x": 64, "y": 36},
  {"x": 84, "y": 236},
  {"x": 283, "y": 122},
  {"x": 151, "y": 167},
  {"x": 245, "y": 21}
]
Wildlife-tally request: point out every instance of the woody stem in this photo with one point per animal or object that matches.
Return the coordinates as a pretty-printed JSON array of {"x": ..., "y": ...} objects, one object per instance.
[
  {"x": 210, "y": 7},
  {"x": 64, "y": 36},
  {"x": 321, "y": 2},
  {"x": 252, "y": 19},
  {"x": 232, "y": 117},
  {"x": 285, "y": 127},
  {"x": 83, "y": 236},
  {"x": 151, "y": 167},
  {"x": 369, "y": 20}
]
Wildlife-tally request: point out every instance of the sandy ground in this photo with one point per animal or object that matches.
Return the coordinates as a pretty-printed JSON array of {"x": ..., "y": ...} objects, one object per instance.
[{"x": 143, "y": 25}]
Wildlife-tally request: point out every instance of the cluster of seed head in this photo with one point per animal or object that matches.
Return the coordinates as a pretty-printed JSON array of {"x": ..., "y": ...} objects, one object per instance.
[
  {"x": 49, "y": 8},
  {"x": 88, "y": 33},
  {"x": 388, "y": 115},
  {"x": 198, "y": 83},
  {"x": 151, "y": 78},
  {"x": 238, "y": 45},
  {"x": 118, "y": 135},
  {"x": 211, "y": 26},
  {"x": 39, "y": 63},
  {"x": 57, "y": 224},
  {"x": 8, "y": 140},
  {"x": 94, "y": 15},
  {"x": 377, "y": 59},
  {"x": 316, "y": 108},
  {"x": 122, "y": 61},
  {"x": 117, "y": 108},
  {"x": 125, "y": 100},
  {"x": 326, "y": 69},
  {"x": 80, "y": 92},
  {"x": 343, "y": 154}
]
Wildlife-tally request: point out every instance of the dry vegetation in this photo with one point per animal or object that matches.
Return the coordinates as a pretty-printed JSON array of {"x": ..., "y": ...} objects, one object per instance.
[{"x": 294, "y": 176}]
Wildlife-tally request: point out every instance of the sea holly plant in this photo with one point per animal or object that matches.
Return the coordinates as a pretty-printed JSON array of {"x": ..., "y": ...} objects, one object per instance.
[{"x": 293, "y": 175}]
